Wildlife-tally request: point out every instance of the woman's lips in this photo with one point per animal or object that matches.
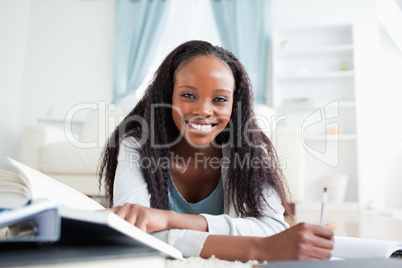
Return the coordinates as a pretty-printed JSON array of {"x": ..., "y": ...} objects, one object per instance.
[{"x": 202, "y": 127}]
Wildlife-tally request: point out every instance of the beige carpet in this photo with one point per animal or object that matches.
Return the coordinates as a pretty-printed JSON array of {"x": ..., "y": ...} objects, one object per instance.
[{"x": 205, "y": 263}]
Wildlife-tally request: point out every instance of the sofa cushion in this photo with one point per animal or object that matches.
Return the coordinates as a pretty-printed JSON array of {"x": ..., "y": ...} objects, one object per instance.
[{"x": 65, "y": 158}]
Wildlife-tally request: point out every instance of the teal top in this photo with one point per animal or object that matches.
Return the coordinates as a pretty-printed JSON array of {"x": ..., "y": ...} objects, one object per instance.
[{"x": 213, "y": 204}]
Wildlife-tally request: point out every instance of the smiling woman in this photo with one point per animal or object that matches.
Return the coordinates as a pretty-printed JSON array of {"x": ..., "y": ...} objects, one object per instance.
[
  {"x": 203, "y": 94},
  {"x": 190, "y": 165}
]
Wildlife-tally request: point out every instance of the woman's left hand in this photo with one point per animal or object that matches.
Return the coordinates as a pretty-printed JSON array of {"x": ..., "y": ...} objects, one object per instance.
[{"x": 145, "y": 218}]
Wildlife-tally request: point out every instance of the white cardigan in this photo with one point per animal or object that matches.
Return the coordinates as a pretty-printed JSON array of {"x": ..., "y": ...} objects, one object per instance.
[{"x": 130, "y": 187}]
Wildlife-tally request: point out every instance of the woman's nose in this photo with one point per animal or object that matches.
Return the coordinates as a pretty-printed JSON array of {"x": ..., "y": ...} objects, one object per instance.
[{"x": 203, "y": 108}]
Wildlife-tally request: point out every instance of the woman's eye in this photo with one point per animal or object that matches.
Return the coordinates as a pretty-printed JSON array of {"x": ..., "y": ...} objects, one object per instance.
[
  {"x": 220, "y": 99},
  {"x": 188, "y": 95}
]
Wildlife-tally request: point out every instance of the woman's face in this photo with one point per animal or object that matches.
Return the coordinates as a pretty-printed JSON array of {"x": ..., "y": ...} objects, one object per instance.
[{"x": 202, "y": 99}]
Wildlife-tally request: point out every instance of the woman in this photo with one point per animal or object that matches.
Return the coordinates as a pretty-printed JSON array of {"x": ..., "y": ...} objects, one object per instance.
[{"x": 190, "y": 164}]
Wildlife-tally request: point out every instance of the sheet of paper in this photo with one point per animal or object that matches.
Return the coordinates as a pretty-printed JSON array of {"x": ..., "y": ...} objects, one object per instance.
[
  {"x": 351, "y": 247},
  {"x": 107, "y": 223},
  {"x": 42, "y": 186}
]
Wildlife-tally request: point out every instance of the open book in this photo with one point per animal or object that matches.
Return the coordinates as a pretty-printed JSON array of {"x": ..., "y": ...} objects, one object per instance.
[
  {"x": 350, "y": 263},
  {"x": 14, "y": 190},
  {"x": 359, "y": 248},
  {"x": 351, "y": 252},
  {"x": 33, "y": 185},
  {"x": 80, "y": 214}
]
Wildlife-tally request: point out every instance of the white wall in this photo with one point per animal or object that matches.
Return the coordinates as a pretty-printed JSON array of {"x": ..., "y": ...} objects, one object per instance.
[
  {"x": 311, "y": 13},
  {"x": 390, "y": 157},
  {"x": 305, "y": 13},
  {"x": 14, "y": 21},
  {"x": 53, "y": 52},
  {"x": 69, "y": 56}
]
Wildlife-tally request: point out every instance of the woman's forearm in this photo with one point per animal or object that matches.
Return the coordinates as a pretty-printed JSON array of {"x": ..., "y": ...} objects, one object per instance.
[
  {"x": 241, "y": 248},
  {"x": 152, "y": 220},
  {"x": 186, "y": 221},
  {"x": 300, "y": 242}
]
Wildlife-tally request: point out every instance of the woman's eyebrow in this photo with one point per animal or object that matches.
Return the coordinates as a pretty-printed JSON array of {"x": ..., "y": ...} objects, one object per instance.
[
  {"x": 216, "y": 90},
  {"x": 188, "y": 87},
  {"x": 224, "y": 90}
]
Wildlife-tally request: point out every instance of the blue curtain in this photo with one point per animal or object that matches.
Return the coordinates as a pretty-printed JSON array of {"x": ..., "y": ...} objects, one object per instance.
[
  {"x": 138, "y": 26},
  {"x": 244, "y": 29}
]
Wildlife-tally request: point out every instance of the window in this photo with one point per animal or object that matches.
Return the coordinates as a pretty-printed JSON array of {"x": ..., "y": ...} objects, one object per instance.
[{"x": 186, "y": 20}]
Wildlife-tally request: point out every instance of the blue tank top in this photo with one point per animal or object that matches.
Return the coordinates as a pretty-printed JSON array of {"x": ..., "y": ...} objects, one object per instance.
[{"x": 213, "y": 204}]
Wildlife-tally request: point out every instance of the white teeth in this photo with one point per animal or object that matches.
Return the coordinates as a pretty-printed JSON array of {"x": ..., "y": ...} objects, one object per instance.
[{"x": 201, "y": 127}]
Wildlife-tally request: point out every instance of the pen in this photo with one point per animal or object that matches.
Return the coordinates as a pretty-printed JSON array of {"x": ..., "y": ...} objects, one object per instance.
[{"x": 324, "y": 198}]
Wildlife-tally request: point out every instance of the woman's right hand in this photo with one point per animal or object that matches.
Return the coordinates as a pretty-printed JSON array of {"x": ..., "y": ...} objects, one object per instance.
[
  {"x": 145, "y": 218},
  {"x": 301, "y": 242}
]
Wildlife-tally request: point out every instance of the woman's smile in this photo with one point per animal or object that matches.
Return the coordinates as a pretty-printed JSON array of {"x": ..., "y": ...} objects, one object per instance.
[{"x": 200, "y": 127}]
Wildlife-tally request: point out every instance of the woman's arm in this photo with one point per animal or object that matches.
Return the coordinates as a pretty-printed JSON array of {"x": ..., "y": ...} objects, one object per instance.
[
  {"x": 271, "y": 222},
  {"x": 300, "y": 242},
  {"x": 152, "y": 220}
]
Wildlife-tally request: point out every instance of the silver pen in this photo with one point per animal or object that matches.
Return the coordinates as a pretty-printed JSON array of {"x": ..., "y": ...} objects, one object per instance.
[{"x": 324, "y": 199}]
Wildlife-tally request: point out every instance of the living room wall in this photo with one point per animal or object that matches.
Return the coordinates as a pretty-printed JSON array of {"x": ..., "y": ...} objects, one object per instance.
[
  {"x": 69, "y": 56},
  {"x": 55, "y": 54},
  {"x": 14, "y": 20}
]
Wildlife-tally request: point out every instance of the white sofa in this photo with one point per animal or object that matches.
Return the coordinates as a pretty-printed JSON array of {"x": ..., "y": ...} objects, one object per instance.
[{"x": 47, "y": 149}]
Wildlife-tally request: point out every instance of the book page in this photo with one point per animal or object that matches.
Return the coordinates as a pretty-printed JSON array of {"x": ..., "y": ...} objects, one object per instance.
[
  {"x": 352, "y": 248},
  {"x": 108, "y": 224},
  {"x": 14, "y": 192},
  {"x": 43, "y": 186}
]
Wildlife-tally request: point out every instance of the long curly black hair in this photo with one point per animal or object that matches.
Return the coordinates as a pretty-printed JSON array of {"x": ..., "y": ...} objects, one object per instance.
[{"x": 245, "y": 183}]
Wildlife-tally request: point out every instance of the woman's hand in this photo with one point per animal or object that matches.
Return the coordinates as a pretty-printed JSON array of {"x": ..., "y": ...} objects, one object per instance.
[
  {"x": 145, "y": 218},
  {"x": 300, "y": 242},
  {"x": 151, "y": 219}
]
